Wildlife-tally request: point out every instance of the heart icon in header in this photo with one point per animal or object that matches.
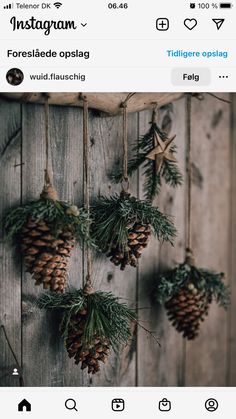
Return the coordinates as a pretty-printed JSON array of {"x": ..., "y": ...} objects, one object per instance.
[{"x": 190, "y": 23}]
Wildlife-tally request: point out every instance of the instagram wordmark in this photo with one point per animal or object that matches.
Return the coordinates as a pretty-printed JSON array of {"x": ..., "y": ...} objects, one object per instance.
[{"x": 45, "y": 25}]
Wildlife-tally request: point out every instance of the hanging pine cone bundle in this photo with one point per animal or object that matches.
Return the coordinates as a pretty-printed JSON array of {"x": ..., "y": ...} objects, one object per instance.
[
  {"x": 122, "y": 225},
  {"x": 187, "y": 293},
  {"x": 46, "y": 231},
  {"x": 93, "y": 323}
]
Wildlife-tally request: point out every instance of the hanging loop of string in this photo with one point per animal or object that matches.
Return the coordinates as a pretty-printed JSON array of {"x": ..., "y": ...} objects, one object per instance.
[
  {"x": 48, "y": 190},
  {"x": 47, "y": 180},
  {"x": 154, "y": 113},
  {"x": 189, "y": 253},
  {"x": 88, "y": 289},
  {"x": 125, "y": 177}
]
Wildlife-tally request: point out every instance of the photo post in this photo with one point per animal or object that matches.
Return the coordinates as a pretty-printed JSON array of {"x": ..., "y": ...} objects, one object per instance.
[{"x": 118, "y": 209}]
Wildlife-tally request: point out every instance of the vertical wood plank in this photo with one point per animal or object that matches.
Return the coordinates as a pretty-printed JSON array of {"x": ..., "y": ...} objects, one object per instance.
[
  {"x": 231, "y": 373},
  {"x": 106, "y": 141},
  {"x": 206, "y": 357},
  {"x": 162, "y": 366},
  {"x": 67, "y": 162},
  {"x": 47, "y": 364},
  {"x": 10, "y": 267}
]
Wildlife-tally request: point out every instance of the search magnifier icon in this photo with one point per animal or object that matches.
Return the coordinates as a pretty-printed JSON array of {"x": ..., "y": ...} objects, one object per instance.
[{"x": 71, "y": 404}]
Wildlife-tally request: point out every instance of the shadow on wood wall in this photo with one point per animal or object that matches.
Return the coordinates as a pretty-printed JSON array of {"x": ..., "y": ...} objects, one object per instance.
[{"x": 211, "y": 359}]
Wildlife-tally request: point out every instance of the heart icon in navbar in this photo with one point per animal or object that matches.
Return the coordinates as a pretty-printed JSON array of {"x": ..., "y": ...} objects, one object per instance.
[{"x": 190, "y": 23}]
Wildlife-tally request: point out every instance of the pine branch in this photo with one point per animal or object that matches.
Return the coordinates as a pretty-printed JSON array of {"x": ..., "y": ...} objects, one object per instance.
[
  {"x": 113, "y": 217},
  {"x": 172, "y": 174},
  {"x": 211, "y": 282},
  {"x": 169, "y": 173},
  {"x": 62, "y": 215},
  {"x": 107, "y": 317}
]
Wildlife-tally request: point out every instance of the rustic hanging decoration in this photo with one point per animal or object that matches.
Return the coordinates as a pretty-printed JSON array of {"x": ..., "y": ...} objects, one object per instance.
[
  {"x": 46, "y": 230},
  {"x": 93, "y": 323},
  {"x": 187, "y": 291},
  {"x": 122, "y": 224},
  {"x": 155, "y": 155}
]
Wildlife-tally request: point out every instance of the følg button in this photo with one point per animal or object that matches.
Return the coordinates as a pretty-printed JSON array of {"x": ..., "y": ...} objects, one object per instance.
[{"x": 191, "y": 76}]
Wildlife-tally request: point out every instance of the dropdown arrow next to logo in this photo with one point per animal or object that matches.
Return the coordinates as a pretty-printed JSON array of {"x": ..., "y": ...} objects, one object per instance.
[{"x": 83, "y": 24}]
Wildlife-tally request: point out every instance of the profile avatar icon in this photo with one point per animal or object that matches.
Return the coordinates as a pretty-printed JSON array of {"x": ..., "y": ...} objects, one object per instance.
[
  {"x": 211, "y": 405},
  {"x": 15, "y": 76},
  {"x": 15, "y": 371}
]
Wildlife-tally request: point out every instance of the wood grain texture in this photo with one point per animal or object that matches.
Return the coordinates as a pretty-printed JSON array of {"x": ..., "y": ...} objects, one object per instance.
[
  {"x": 231, "y": 358},
  {"x": 67, "y": 165},
  {"x": 66, "y": 160},
  {"x": 120, "y": 371},
  {"x": 10, "y": 267},
  {"x": 208, "y": 361},
  {"x": 162, "y": 366}
]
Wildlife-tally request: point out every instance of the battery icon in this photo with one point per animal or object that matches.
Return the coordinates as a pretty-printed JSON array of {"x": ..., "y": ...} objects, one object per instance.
[{"x": 225, "y": 5}]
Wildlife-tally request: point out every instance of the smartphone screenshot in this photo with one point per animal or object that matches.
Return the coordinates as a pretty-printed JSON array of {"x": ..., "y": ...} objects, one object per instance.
[{"x": 117, "y": 209}]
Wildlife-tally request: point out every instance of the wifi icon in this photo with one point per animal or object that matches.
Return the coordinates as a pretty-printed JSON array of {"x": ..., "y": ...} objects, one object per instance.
[{"x": 57, "y": 4}]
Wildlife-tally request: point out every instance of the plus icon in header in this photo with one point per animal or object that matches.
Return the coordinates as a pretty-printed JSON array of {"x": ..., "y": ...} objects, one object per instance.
[{"x": 162, "y": 24}]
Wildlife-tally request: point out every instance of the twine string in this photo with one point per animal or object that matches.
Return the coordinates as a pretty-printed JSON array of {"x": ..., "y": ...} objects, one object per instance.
[
  {"x": 125, "y": 144},
  {"x": 125, "y": 177},
  {"x": 48, "y": 191},
  {"x": 189, "y": 253},
  {"x": 88, "y": 281},
  {"x": 154, "y": 114},
  {"x": 155, "y": 142},
  {"x": 47, "y": 179}
]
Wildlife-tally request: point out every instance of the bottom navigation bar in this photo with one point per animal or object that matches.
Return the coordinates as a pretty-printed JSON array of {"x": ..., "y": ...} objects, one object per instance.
[{"x": 179, "y": 403}]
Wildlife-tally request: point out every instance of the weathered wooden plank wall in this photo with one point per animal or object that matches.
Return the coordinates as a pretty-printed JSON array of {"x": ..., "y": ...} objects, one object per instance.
[{"x": 210, "y": 360}]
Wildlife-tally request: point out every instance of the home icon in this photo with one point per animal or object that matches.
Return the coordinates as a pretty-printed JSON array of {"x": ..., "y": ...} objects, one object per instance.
[{"x": 24, "y": 405}]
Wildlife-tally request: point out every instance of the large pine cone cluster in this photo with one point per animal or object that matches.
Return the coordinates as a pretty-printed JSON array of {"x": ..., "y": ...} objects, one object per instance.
[
  {"x": 46, "y": 256},
  {"x": 187, "y": 309},
  {"x": 88, "y": 355},
  {"x": 138, "y": 239}
]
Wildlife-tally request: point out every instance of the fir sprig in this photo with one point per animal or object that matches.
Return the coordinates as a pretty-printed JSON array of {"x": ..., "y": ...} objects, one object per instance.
[
  {"x": 113, "y": 216},
  {"x": 211, "y": 282},
  {"x": 61, "y": 215},
  {"x": 169, "y": 172},
  {"x": 107, "y": 317}
]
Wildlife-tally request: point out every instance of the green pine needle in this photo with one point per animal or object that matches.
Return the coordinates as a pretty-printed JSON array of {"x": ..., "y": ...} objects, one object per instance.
[
  {"x": 113, "y": 216},
  {"x": 170, "y": 283},
  {"x": 169, "y": 172},
  {"x": 53, "y": 212},
  {"x": 107, "y": 317}
]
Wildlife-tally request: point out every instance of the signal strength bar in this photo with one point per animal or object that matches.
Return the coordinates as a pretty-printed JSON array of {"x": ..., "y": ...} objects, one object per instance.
[{"x": 8, "y": 6}]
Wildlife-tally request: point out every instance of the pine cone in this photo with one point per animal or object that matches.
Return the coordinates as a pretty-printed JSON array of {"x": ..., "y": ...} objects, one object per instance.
[
  {"x": 187, "y": 309},
  {"x": 138, "y": 239},
  {"x": 46, "y": 256},
  {"x": 88, "y": 355}
]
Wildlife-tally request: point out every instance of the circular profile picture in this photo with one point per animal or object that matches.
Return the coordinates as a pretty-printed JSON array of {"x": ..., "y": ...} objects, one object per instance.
[
  {"x": 211, "y": 405},
  {"x": 15, "y": 76}
]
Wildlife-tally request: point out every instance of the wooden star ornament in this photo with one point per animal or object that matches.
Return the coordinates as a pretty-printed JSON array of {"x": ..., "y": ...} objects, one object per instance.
[{"x": 161, "y": 151}]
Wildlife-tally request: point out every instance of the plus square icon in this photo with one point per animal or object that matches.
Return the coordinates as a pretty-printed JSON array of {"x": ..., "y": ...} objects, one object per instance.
[{"x": 162, "y": 24}]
